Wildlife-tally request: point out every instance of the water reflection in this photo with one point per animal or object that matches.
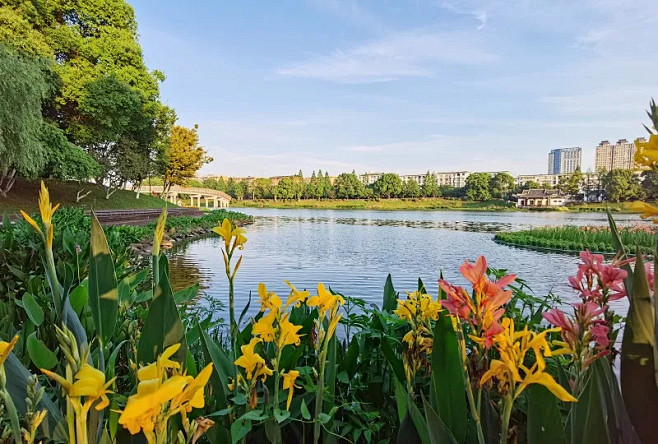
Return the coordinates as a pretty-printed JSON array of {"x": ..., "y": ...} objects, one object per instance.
[{"x": 353, "y": 251}]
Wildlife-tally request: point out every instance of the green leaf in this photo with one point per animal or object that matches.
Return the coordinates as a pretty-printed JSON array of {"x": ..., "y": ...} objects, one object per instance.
[
  {"x": 350, "y": 360},
  {"x": 324, "y": 418},
  {"x": 79, "y": 298},
  {"x": 33, "y": 309},
  {"x": 447, "y": 384},
  {"x": 393, "y": 360},
  {"x": 401, "y": 400},
  {"x": 588, "y": 422},
  {"x": 438, "y": 432},
  {"x": 103, "y": 293},
  {"x": 418, "y": 421},
  {"x": 273, "y": 430},
  {"x": 222, "y": 370},
  {"x": 163, "y": 326},
  {"x": 638, "y": 359},
  {"x": 304, "y": 410},
  {"x": 187, "y": 294},
  {"x": 254, "y": 415},
  {"x": 39, "y": 353},
  {"x": 240, "y": 429},
  {"x": 17, "y": 381},
  {"x": 111, "y": 362},
  {"x": 390, "y": 297},
  {"x": 282, "y": 415},
  {"x": 544, "y": 418}
]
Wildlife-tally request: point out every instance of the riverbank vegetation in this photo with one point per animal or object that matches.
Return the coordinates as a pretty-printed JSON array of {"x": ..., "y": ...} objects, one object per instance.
[
  {"x": 100, "y": 352},
  {"x": 574, "y": 239},
  {"x": 381, "y": 204}
]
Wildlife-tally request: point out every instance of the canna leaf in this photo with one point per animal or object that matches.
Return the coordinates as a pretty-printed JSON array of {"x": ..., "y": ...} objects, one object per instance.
[
  {"x": 33, "y": 309},
  {"x": 390, "y": 296},
  {"x": 163, "y": 326},
  {"x": 438, "y": 432},
  {"x": 103, "y": 292},
  {"x": 544, "y": 418},
  {"x": 40, "y": 355},
  {"x": 448, "y": 399},
  {"x": 638, "y": 371}
]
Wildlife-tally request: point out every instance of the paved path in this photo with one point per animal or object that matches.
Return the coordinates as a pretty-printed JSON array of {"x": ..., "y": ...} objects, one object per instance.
[{"x": 140, "y": 217}]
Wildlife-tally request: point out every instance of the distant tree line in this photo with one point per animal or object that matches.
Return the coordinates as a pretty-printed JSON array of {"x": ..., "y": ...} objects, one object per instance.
[{"x": 77, "y": 101}]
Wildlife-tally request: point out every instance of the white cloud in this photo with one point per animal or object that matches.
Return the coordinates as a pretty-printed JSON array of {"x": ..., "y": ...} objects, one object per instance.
[{"x": 412, "y": 54}]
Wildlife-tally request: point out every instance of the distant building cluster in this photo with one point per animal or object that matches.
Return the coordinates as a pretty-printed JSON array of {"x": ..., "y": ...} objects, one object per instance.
[{"x": 609, "y": 157}]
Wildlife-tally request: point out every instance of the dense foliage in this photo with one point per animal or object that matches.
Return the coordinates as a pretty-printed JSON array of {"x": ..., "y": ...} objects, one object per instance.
[{"x": 575, "y": 239}]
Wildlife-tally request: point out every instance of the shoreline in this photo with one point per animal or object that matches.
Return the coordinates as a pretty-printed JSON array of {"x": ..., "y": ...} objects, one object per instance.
[{"x": 427, "y": 204}]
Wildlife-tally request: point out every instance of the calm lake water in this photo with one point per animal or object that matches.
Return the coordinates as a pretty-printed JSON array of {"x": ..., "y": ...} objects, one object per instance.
[{"x": 353, "y": 251}]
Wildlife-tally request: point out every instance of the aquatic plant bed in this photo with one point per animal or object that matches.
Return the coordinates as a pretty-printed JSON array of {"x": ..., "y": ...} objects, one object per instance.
[{"x": 572, "y": 239}]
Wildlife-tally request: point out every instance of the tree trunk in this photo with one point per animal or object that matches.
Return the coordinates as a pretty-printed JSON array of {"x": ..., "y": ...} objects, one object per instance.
[
  {"x": 7, "y": 180},
  {"x": 81, "y": 195}
]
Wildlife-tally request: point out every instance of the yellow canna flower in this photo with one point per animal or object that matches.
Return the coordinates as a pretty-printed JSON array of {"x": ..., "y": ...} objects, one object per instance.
[
  {"x": 512, "y": 375},
  {"x": 32, "y": 222},
  {"x": 6, "y": 348},
  {"x": 289, "y": 384},
  {"x": 406, "y": 309},
  {"x": 646, "y": 152},
  {"x": 288, "y": 333},
  {"x": 228, "y": 232},
  {"x": 268, "y": 299},
  {"x": 192, "y": 396},
  {"x": 333, "y": 324},
  {"x": 90, "y": 383},
  {"x": 143, "y": 409},
  {"x": 157, "y": 369},
  {"x": 264, "y": 328},
  {"x": 224, "y": 229},
  {"x": 296, "y": 297},
  {"x": 325, "y": 301},
  {"x": 646, "y": 210},
  {"x": 45, "y": 207},
  {"x": 252, "y": 362}
]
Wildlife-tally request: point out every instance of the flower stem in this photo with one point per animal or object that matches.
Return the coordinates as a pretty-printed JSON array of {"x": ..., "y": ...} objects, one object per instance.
[
  {"x": 475, "y": 407},
  {"x": 319, "y": 394},
  {"x": 507, "y": 411}
]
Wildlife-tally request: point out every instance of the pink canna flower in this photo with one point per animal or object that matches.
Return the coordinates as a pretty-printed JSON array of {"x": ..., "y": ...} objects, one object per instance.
[
  {"x": 648, "y": 267},
  {"x": 459, "y": 302}
]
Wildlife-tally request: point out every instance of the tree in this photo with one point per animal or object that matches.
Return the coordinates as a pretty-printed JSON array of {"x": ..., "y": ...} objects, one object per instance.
[
  {"x": 388, "y": 185},
  {"x": 328, "y": 189},
  {"x": 501, "y": 185},
  {"x": 348, "y": 186},
  {"x": 572, "y": 184},
  {"x": 411, "y": 189},
  {"x": 286, "y": 188},
  {"x": 650, "y": 183},
  {"x": 430, "y": 186},
  {"x": 478, "y": 186},
  {"x": 531, "y": 185},
  {"x": 23, "y": 87},
  {"x": 262, "y": 188},
  {"x": 621, "y": 185},
  {"x": 300, "y": 185},
  {"x": 185, "y": 156}
]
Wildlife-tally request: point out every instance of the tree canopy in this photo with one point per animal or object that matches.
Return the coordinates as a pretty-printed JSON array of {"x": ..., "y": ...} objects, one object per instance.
[
  {"x": 478, "y": 186},
  {"x": 184, "y": 156}
]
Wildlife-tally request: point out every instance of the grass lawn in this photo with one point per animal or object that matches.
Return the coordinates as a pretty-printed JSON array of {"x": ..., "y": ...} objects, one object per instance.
[
  {"x": 382, "y": 204},
  {"x": 24, "y": 195}
]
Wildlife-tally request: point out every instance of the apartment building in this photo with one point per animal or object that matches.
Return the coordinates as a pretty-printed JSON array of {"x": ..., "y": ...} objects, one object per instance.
[
  {"x": 615, "y": 156},
  {"x": 564, "y": 160}
]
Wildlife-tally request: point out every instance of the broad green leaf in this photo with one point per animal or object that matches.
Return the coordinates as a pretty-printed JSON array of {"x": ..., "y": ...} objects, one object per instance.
[
  {"x": 447, "y": 383},
  {"x": 350, "y": 360},
  {"x": 620, "y": 427},
  {"x": 638, "y": 371},
  {"x": 588, "y": 415},
  {"x": 273, "y": 430},
  {"x": 41, "y": 355},
  {"x": 390, "y": 297},
  {"x": 79, "y": 298},
  {"x": 544, "y": 418},
  {"x": 33, "y": 309},
  {"x": 163, "y": 326},
  {"x": 418, "y": 421},
  {"x": 222, "y": 370},
  {"x": 254, "y": 415},
  {"x": 103, "y": 293},
  {"x": 438, "y": 432},
  {"x": 17, "y": 380},
  {"x": 240, "y": 429},
  {"x": 401, "y": 399}
]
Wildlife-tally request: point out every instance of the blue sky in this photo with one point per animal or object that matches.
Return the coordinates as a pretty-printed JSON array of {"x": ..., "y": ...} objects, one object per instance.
[{"x": 402, "y": 85}]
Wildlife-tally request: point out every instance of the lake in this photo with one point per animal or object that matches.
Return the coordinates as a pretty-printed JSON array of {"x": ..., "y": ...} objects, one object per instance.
[{"x": 354, "y": 250}]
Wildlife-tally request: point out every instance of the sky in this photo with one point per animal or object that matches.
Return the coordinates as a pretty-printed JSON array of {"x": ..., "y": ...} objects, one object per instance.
[{"x": 402, "y": 86}]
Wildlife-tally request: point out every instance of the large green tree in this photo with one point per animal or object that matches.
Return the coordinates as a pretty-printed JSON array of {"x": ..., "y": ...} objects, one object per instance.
[
  {"x": 478, "y": 186},
  {"x": 348, "y": 186},
  {"x": 411, "y": 189},
  {"x": 23, "y": 87},
  {"x": 621, "y": 185},
  {"x": 573, "y": 183},
  {"x": 185, "y": 157},
  {"x": 502, "y": 184},
  {"x": 388, "y": 185}
]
